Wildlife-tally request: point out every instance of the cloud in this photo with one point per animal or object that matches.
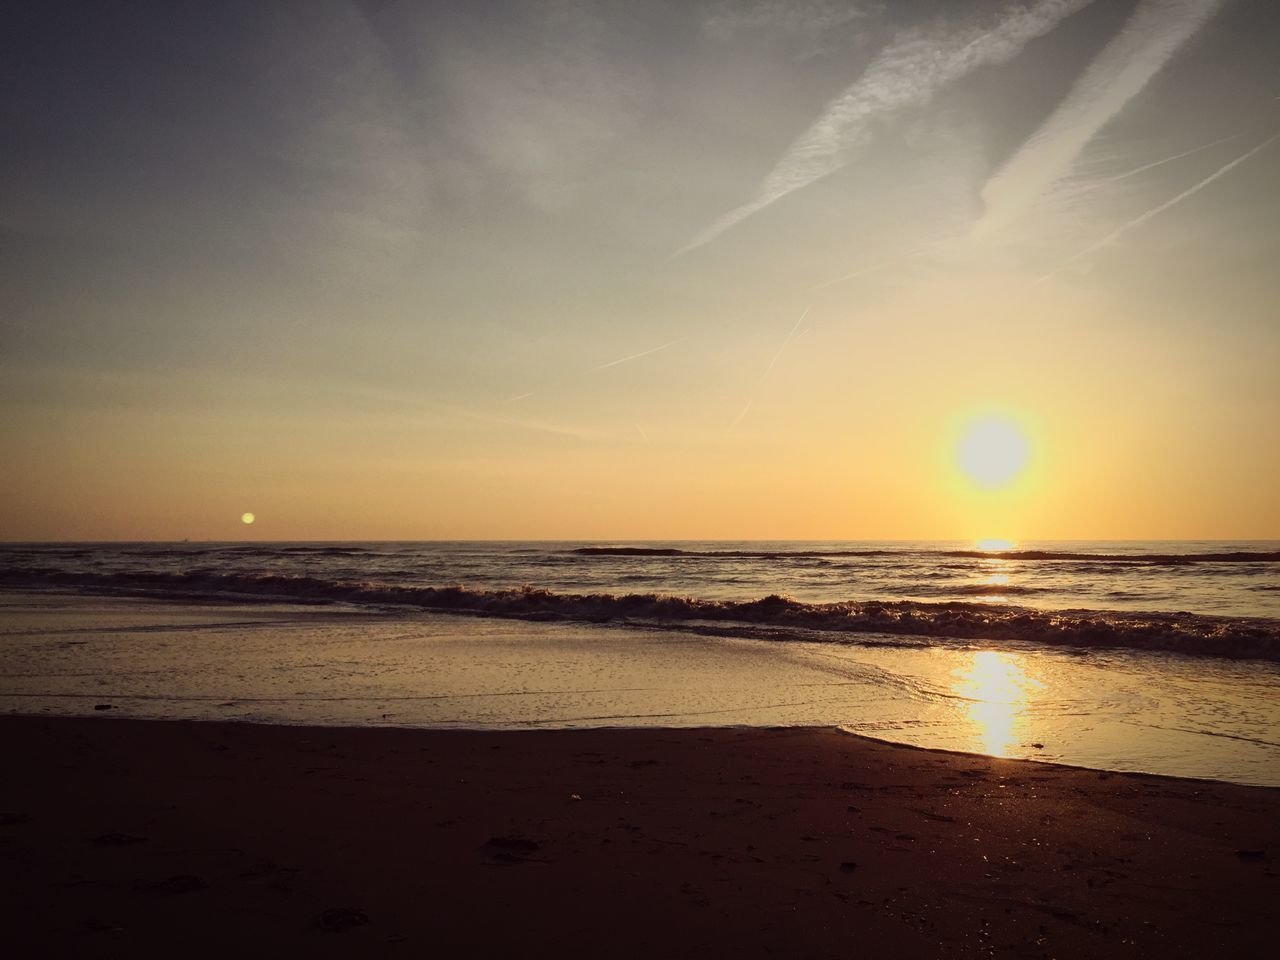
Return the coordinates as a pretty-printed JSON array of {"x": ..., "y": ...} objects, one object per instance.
[
  {"x": 1151, "y": 36},
  {"x": 909, "y": 72},
  {"x": 540, "y": 99},
  {"x": 1115, "y": 235},
  {"x": 809, "y": 20}
]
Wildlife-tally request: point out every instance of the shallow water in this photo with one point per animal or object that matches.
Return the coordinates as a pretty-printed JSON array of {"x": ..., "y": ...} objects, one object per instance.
[{"x": 1120, "y": 710}]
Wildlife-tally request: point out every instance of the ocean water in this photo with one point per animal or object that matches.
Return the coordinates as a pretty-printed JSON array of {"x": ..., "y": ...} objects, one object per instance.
[
  {"x": 1209, "y": 598},
  {"x": 1156, "y": 657}
]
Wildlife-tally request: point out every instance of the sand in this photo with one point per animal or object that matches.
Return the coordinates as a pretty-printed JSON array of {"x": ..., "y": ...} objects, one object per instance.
[{"x": 144, "y": 838}]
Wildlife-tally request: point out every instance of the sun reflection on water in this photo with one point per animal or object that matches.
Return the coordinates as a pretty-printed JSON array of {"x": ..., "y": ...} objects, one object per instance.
[
  {"x": 995, "y": 576},
  {"x": 997, "y": 691}
]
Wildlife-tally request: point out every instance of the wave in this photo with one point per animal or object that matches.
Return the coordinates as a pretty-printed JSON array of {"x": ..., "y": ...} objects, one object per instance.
[
  {"x": 771, "y": 617},
  {"x": 975, "y": 589},
  {"x": 1156, "y": 559}
]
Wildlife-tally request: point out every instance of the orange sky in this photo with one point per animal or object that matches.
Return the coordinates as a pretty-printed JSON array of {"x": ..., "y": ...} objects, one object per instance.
[{"x": 710, "y": 272}]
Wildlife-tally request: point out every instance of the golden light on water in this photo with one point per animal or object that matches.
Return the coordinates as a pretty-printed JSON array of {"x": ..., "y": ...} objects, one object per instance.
[
  {"x": 997, "y": 569},
  {"x": 996, "y": 690},
  {"x": 247, "y": 518}
]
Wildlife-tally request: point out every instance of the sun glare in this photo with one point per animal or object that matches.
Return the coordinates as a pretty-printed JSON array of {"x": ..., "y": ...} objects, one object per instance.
[
  {"x": 993, "y": 451},
  {"x": 994, "y": 544}
]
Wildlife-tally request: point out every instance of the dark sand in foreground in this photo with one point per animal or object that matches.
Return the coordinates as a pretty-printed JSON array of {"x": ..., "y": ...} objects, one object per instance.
[{"x": 128, "y": 838}]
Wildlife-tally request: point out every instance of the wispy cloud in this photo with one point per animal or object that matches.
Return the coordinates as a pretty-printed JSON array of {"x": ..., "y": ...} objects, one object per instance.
[
  {"x": 726, "y": 19},
  {"x": 909, "y": 72},
  {"x": 1151, "y": 36},
  {"x": 540, "y": 100},
  {"x": 1115, "y": 235}
]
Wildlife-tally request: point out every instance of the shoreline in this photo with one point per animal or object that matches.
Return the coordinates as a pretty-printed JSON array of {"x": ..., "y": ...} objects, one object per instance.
[
  {"x": 136, "y": 836},
  {"x": 1164, "y": 714}
]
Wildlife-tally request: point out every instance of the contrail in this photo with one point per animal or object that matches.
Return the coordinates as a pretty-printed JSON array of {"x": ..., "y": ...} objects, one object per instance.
[
  {"x": 767, "y": 370},
  {"x": 1159, "y": 163},
  {"x": 1152, "y": 35},
  {"x": 875, "y": 267},
  {"x": 642, "y": 353},
  {"x": 1156, "y": 211},
  {"x": 643, "y": 435},
  {"x": 611, "y": 363},
  {"x": 921, "y": 248},
  {"x": 738, "y": 419},
  {"x": 907, "y": 73}
]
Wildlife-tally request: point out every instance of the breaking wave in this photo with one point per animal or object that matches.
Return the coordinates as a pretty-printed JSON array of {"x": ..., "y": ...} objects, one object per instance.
[{"x": 771, "y": 617}]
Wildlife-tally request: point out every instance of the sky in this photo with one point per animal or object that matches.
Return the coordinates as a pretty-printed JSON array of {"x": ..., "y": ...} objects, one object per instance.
[{"x": 562, "y": 270}]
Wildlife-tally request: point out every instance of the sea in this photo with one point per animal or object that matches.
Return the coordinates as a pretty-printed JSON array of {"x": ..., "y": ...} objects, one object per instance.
[{"x": 1153, "y": 656}]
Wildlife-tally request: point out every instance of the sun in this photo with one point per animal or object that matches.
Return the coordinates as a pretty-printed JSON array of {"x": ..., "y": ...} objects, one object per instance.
[
  {"x": 247, "y": 518},
  {"x": 992, "y": 451}
]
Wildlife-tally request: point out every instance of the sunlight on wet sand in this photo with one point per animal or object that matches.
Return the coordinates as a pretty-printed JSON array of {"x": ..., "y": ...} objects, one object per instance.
[{"x": 997, "y": 689}]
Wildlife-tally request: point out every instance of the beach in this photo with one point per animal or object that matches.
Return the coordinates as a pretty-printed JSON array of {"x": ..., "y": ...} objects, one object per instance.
[
  {"x": 133, "y": 837},
  {"x": 743, "y": 478},
  {"x": 206, "y": 770},
  {"x": 355, "y": 665}
]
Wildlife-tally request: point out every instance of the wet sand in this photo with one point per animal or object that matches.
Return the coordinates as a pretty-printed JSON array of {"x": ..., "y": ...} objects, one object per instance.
[{"x": 127, "y": 838}]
